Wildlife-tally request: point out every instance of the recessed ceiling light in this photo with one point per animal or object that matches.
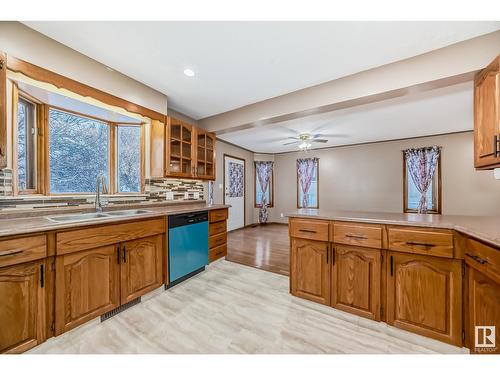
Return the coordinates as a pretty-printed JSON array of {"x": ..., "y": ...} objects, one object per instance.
[{"x": 189, "y": 72}]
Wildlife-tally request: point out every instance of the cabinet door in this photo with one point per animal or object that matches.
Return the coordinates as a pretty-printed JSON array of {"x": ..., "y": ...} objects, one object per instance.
[
  {"x": 487, "y": 116},
  {"x": 205, "y": 155},
  {"x": 3, "y": 110},
  {"x": 180, "y": 153},
  {"x": 141, "y": 267},
  {"x": 87, "y": 286},
  {"x": 22, "y": 307},
  {"x": 310, "y": 270},
  {"x": 424, "y": 295},
  {"x": 484, "y": 311},
  {"x": 356, "y": 280}
]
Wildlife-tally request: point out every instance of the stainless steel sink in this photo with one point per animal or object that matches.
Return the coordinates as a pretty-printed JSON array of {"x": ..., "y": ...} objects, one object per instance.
[
  {"x": 78, "y": 217},
  {"x": 95, "y": 215},
  {"x": 127, "y": 212}
]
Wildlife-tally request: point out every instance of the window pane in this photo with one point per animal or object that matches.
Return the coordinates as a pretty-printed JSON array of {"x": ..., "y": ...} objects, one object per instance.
[
  {"x": 258, "y": 193},
  {"x": 129, "y": 159},
  {"x": 313, "y": 191},
  {"x": 26, "y": 138},
  {"x": 79, "y": 149},
  {"x": 414, "y": 195}
]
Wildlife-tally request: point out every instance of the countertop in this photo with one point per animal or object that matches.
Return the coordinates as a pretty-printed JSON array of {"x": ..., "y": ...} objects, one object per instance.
[
  {"x": 32, "y": 224},
  {"x": 483, "y": 228}
]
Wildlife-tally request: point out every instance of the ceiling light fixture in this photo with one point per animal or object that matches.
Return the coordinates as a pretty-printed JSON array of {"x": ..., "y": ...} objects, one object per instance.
[
  {"x": 305, "y": 146},
  {"x": 189, "y": 72}
]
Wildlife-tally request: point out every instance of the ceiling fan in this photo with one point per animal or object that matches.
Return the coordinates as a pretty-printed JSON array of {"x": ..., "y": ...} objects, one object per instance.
[{"x": 305, "y": 140}]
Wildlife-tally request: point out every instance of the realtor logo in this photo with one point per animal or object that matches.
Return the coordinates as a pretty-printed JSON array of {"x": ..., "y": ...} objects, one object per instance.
[{"x": 485, "y": 337}]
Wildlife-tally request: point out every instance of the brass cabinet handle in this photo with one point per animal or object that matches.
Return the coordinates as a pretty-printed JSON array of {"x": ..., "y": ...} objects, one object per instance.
[
  {"x": 414, "y": 243},
  {"x": 392, "y": 265},
  {"x": 42, "y": 276},
  {"x": 327, "y": 251},
  {"x": 124, "y": 254},
  {"x": 118, "y": 254},
  {"x": 356, "y": 236},
  {"x": 11, "y": 252},
  {"x": 333, "y": 255},
  {"x": 477, "y": 258}
]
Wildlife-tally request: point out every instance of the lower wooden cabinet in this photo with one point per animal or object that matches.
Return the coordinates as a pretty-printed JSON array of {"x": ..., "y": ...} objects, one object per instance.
[
  {"x": 141, "y": 267},
  {"x": 22, "y": 308},
  {"x": 424, "y": 295},
  {"x": 87, "y": 285},
  {"x": 484, "y": 311},
  {"x": 310, "y": 270},
  {"x": 356, "y": 280}
]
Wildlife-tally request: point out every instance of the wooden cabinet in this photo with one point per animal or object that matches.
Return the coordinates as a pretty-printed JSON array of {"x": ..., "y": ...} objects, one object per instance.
[
  {"x": 205, "y": 155},
  {"x": 424, "y": 295},
  {"x": 217, "y": 235},
  {"x": 157, "y": 149},
  {"x": 356, "y": 280},
  {"x": 141, "y": 267},
  {"x": 180, "y": 159},
  {"x": 487, "y": 117},
  {"x": 310, "y": 270},
  {"x": 484, "y": 312},
  {"x": 22, "y": 307},
  {"x": 87, "y": 285},
  {"x": 3, "y": 110}
]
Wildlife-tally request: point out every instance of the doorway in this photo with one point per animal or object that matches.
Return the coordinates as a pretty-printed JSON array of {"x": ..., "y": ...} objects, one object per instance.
[{"x": 234, "y": 190}]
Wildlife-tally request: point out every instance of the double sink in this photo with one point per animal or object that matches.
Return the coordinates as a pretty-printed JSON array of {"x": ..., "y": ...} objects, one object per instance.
[{"x": 95, "y": 216}]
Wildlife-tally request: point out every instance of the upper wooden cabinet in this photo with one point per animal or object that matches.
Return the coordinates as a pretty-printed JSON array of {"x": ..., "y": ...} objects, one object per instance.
[
  {"x": 205, "y": 154},
  {"x": 487, "y": 117},
  {"x": 3, "y": 110},
  {"x": 180, "y": 149}
]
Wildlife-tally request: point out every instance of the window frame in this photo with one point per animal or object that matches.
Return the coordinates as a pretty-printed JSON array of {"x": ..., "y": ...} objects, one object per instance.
[
  {"x": 437, "y": 194},
  {"x": 270, "y": 187},
  {"x": 317, "y": 187},
  {"x": 112, "y": 153}
]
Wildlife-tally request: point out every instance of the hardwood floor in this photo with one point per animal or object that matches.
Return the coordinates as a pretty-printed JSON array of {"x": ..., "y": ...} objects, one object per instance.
[
  {"x": 264, "y": 246},
  {"x": 231, "y": 308}
]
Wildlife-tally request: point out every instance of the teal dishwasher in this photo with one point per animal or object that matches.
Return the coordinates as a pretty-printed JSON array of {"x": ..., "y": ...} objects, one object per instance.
[{"x": 187, "y": 245}]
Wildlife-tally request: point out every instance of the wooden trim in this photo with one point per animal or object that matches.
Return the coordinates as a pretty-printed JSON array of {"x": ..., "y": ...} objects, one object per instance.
[
  {"x": 40, "y": 74},
  {"x": 438, "y": 210},
  {"x": 317, "y": 187},
  {"x": 14, "y": 109},
  {"x": 271, "y": 187},
  {"x": 244, "y": 184},
  {"x": 143, "y": 159}
]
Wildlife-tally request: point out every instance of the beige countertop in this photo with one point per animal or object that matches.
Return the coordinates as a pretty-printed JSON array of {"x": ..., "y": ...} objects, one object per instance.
[
  {"x": 11, "y": 224},
  {"x": 484, "y": 228}
]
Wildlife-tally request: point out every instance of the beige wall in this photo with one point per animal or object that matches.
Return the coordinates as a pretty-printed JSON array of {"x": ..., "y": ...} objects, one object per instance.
[
  {"x": 225, "y": 148},
  {"x": 370, "y": 178},
  {"x": 27, "y": 44}
]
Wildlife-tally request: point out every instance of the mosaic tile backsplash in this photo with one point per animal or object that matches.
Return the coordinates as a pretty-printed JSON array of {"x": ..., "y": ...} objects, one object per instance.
[{"x": 156, "y": 190}]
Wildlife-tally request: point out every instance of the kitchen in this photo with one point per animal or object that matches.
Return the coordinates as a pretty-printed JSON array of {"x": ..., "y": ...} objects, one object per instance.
[{"x": 356, "y": 214}]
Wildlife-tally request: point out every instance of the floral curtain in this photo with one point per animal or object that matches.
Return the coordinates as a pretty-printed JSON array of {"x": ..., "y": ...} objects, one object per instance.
[
  {"x": 264, "y": 171},
  {"x": 422, "y": 164},
  {"x": 305, "y": 172}
]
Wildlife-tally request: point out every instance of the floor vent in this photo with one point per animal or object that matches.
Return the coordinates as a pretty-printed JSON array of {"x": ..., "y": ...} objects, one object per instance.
[{"x": 119, "y": 309}]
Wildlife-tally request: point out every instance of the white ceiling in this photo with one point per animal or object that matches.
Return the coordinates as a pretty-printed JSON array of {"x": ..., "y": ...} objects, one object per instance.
[
  {"x": 440, "y": 111},
  {"x": 239, "y": 63}
]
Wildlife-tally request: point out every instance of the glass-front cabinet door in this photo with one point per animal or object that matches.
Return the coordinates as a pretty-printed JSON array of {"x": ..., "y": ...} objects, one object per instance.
[
  {"x": 179, "y": 155},
  {"x": 205, "y": 155}
]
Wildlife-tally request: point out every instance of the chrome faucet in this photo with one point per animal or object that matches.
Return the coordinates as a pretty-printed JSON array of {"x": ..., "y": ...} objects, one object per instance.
[{"x": 100, "y": 181}]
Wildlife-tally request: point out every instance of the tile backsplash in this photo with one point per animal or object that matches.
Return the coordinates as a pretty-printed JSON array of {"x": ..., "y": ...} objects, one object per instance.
[{"x": 156, "y": 190}]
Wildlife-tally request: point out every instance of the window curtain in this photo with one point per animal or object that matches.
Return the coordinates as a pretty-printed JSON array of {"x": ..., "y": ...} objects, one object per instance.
[
  {"x": 422, "y": 163},
  {"x": 305, "y": 172},
  {"x": 264, "y": 171}
]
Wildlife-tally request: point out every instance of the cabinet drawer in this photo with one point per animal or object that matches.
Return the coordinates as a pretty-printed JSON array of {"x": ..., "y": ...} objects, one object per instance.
[
  {"x": 217, "y": 240},
  {"x": 421, "y": 241},
  {"x": 96, "y": 236},
  {"x": 309, "y": 229},
  {"x": 357, "y": 234},
  {"x": 21, "y": 250},
  {"x": 217, "y": 252},
  {"x": 217, "y": 215},
  {"x": 483, "y": 258},
  {"x": 216, "y": 228}
]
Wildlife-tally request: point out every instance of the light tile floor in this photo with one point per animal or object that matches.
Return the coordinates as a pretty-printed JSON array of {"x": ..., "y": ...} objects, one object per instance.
[{"x": 231, "y": 308}]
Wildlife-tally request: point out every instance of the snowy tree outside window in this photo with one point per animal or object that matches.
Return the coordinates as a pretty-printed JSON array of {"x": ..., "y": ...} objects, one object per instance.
[{"x": 129, "y": 159}]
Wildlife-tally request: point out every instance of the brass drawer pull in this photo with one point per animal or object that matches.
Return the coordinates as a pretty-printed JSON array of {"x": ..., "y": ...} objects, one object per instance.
[
  {"x": 414, "y": 243},
  {"x": 356, "y": 236},
  {"x": 11, "y": 252},
  {"x": 477, "y": 259},
  {"x": 307, "y": 231}
]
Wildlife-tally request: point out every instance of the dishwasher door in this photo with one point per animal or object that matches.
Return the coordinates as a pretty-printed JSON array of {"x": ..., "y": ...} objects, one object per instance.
[{"x": 187, "y": 246}]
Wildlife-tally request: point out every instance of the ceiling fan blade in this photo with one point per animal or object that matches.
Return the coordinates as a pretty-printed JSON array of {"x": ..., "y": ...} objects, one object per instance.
[
  {"x": 320, "y": 140},
  {"x": 290, "y": 143},
  {"x": 296, "y": 138}
]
